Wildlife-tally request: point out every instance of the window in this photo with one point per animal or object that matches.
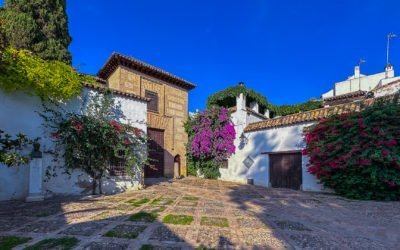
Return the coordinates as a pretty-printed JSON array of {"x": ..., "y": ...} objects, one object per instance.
[
  {"x": 224, "y": 164},
  {"x": 153, "y": 104},
  {"x": 117, "y": 166}
]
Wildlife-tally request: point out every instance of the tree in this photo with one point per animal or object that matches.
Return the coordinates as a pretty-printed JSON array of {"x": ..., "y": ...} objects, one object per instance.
[
  {"x": 90, "y": 141},
  {"x": 40, "y": 26}
]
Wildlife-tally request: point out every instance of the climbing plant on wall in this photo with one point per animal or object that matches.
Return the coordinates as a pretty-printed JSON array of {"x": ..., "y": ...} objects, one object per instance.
[
  {"x": 358, "y": 154},
  {"x": 227, "y": 98},
  {"x": 20, "y": 70},
  {"x": 211, "y": 141}
]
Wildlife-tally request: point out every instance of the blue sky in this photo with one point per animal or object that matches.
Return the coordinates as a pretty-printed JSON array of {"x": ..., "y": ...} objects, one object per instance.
[{"x": 287, "y": 50}]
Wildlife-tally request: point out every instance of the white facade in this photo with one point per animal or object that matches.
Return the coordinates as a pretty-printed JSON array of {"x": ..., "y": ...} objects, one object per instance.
[
  {"x": 258, "y": 144},
  {"x": 18, "y": 113},
  {"x": 387, "y": 89},
  {"x": 362, "y": 82}
]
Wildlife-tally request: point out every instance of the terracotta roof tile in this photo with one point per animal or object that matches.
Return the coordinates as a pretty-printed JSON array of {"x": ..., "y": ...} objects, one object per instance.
[
  {"x": 358, "y": 93},
  {"x": 309, "y": 116},
  {"x": 117, "y": 59}
]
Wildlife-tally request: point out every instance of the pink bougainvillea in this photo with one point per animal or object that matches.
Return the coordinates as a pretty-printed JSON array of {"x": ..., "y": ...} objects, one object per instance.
[
  {"x": 214, "y": 135},
  {"x": 357, "y": 154}
]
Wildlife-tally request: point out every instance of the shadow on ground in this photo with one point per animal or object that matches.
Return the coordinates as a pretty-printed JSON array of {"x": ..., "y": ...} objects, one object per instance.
[{"x": 218, "y": 215}]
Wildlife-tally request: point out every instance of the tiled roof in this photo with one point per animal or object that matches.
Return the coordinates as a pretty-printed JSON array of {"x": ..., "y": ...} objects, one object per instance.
[
  {"x": 117, "y": 59},
  {"x": 114, "y": 91},
  {"x": 309, "y": 116}
]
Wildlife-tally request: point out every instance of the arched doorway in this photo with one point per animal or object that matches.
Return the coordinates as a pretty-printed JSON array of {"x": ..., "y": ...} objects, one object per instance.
[{"x": 177, "y": 166}]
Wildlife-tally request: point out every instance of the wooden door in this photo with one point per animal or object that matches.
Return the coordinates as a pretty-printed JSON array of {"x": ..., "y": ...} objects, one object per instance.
[
  {"x": 156, "y": 154},
  {"x": 285, "y": 170}
]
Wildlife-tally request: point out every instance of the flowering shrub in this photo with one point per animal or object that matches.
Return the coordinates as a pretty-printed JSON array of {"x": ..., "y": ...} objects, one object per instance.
[
  {"x": 91, "y": 140},
  {"x": 211, "y": 140},
  {"x": 358, "y": 154}
]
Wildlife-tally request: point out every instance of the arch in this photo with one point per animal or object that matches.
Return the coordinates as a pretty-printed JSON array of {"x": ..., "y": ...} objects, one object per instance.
[{"x": 177, "y": 166}]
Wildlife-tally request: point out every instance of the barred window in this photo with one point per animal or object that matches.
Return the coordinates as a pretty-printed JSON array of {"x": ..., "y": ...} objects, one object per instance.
[
  {"x": 153, "y": 104},
  {"x": 117, "y": 167}
]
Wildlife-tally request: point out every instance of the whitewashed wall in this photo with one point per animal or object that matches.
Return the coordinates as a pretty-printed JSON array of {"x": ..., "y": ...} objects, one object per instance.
[
  {"x": 286, "y": 138},
  {"x": 388, "y": 89},
  {"x": 18, "y": 113}
]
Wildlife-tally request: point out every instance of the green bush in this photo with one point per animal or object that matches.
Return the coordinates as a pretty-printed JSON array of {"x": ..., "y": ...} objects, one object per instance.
[{"x": 358, "y": 154}]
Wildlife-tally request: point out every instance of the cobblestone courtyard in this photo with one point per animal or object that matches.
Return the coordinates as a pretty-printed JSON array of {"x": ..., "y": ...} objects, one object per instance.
[{"x": 197, "y": 213}]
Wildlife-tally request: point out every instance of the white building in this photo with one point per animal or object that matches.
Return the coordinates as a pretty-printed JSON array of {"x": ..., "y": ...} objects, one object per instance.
[
  {"x": 19, "y": 114},
  {"x": 361, "y": 83},
  {"x": 265, "y": 146}
]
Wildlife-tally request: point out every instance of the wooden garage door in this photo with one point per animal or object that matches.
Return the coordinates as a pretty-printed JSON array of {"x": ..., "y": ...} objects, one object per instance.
[
  {"x": 156, "y": 154},
  {"x": 285, "y": 170}
]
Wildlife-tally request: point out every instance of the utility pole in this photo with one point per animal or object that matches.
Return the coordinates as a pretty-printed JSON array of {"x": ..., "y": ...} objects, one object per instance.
[{"x": 389, "y": 36}]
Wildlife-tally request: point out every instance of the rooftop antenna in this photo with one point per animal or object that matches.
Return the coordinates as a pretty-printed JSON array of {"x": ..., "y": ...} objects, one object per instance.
[
  {"x": 361, "y": 61},
  {"x": 389, "y": 36}
]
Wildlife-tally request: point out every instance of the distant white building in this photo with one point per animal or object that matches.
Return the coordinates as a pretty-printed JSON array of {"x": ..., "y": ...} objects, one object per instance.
[{"x": 360, "y": 83}]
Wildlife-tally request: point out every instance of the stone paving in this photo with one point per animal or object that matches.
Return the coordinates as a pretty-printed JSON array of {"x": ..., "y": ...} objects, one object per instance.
[{"x": 223, "y": 215}]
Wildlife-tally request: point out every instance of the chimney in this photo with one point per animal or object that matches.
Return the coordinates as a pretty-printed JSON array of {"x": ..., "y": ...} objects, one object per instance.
[
  {"x": 240, "y": 102},
  {"x": 266, "y": 113},
  {"x": 357, "y": 72},
  {"x": 389, "y": 71},
  {"x": 254, "y": 106}
]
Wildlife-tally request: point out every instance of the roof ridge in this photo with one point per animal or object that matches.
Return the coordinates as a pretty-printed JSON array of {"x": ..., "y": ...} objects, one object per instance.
[{"x": 107, "y": 68}]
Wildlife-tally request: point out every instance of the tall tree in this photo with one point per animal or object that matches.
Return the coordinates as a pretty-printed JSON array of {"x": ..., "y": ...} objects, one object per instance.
[{"x": 40, "y": 26}]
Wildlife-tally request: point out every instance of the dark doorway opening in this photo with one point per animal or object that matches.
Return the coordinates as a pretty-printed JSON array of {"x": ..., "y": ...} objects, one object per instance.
[
  {"x": 177, "y": 166},
  {"x": 155, "y": 167},
  {"x": 285, "y": 170}
]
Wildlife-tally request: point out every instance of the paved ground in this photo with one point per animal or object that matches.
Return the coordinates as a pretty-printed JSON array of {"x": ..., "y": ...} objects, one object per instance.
[{"x": 225, "y": 216}]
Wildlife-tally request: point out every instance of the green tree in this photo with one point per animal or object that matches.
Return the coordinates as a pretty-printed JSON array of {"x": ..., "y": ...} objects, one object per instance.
[{"x": 40, "y": 26}]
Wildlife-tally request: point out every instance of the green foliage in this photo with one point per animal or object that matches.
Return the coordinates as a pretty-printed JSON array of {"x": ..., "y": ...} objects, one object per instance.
[
  {"x": 10, "y": 149},
  {"x": 64, "y": 243},
  {"x": 190, "y": 198},
  {"x": 214, "y": 221},
  {"x": 227, "y": 98},
  {"x": 178, "y": 219},
  {"x": 358, "y": 154},
  {"x": 20, "y": 70},
  {"x": 209, "y": 169},
  {"x": 138, "y": 203},
  {"x": 146, "y": 247},
  {"x": 283, "y": 110},
  {"x": 191, "y": 166},
  {"x": 9, "y": 242},
  {"x": 125, "y": 231},
  {"x": 162, "y": 201},
  {"x": 40, "y": 26},
  {"x": 90, "y": 141},
  {"x": 143, "y": 217}
]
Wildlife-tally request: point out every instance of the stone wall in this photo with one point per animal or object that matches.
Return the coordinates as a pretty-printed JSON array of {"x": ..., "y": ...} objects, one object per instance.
[{"x": 172, "y": 111}]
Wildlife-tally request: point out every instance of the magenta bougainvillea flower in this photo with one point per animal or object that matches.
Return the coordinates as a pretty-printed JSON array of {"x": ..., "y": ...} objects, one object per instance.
[{"x": 214, "y": 135}]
